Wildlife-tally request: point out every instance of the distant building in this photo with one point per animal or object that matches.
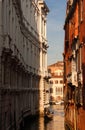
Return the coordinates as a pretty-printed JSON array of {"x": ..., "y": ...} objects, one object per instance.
[
  {"x": 56, "y": 82},
  {"x": 46, "y": 91}
]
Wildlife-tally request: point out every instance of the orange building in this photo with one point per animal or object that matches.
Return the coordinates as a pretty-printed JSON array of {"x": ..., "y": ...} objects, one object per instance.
[{"x": 74, "y": 65}]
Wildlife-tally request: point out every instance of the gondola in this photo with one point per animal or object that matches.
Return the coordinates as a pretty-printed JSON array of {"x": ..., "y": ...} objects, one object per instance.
[{"x": 48, "y": 115}]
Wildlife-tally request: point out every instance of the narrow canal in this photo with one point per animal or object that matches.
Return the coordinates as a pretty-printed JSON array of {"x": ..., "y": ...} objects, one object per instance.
[{"x": 57, "y": 123}]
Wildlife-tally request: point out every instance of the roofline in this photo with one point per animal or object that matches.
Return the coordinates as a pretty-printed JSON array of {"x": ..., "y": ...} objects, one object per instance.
[{"x": 44, "y": 5}]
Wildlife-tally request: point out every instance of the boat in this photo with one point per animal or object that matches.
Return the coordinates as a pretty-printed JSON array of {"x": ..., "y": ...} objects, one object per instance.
[
  {"x": 58, "y": 103},
  {"x": 48, "y": 115}
]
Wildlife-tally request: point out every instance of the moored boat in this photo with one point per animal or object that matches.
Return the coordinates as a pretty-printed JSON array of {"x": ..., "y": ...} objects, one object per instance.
[{"x": 48, "y": 115}]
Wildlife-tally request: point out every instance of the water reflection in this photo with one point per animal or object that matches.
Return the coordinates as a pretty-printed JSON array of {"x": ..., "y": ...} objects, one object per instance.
[{"x": 56, "y": 124}]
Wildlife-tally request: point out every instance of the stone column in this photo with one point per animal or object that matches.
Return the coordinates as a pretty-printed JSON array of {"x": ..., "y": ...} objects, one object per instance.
[{"x": 41, "y": 98}]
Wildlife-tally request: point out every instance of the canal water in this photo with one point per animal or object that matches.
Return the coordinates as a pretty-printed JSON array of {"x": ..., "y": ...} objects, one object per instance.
[{"x": 57, "y": 123}]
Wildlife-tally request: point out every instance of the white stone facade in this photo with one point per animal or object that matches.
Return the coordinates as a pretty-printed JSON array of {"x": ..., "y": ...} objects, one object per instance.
[
  {"x": 56, "y": 82},
  {"x": 23, "y": 59}
]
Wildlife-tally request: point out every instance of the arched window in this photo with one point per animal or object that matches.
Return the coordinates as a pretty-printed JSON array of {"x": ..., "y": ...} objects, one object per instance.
[
  {"x": 51, "y": 81},
  {"x": 51, "y": 90},
  {"x": 61, "y": 81},
  {"x": 56, "y": 81}
]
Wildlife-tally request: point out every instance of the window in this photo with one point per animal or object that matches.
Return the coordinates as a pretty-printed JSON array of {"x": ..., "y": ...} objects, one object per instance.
[
  {"x": 61, "y": 90},
  {"x": 51, "y": 82},
  {"x": 81, "y": 10},
  {"x": 56, "y": 90},
  {"x": 61, "y": 81},
  {"x": 61, "y": 73},
  {"x": 51, "y": 90},
  {"x": 56, "y": 81}
]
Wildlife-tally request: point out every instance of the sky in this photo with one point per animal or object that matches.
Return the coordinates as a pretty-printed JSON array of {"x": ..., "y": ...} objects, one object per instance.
[{"x": 55, "y": 32}]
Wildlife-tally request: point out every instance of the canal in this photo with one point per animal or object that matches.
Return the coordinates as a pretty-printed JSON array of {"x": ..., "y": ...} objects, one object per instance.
[{"x": 57, "y": 123}]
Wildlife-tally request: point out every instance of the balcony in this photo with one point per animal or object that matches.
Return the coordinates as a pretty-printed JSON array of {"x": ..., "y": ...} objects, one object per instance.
[
  {"x": 72, "y": 79},
  {"x": 47, "y": 75},
  {"x": 69, "y": 79}
]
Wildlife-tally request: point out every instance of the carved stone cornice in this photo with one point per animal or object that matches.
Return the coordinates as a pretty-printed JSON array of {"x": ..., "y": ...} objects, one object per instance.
[
  {"x": 24, "y": 24},
  {"x": 71, "y": 11}
]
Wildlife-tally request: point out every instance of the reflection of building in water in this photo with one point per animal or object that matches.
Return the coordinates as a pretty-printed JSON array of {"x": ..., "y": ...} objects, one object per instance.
[
  {"x": 41, "y": 123},
  {"x": 56, "y": 81},
  {"x": 58, "y": 118}
]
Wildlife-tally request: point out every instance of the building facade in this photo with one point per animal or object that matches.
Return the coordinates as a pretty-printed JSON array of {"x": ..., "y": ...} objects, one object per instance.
[
  {"x": 56, "y": 82},
  {"x": 74, "y": 65},
  {"x": 23, "y": 60},
  {"x": 46, "y": 91}
]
